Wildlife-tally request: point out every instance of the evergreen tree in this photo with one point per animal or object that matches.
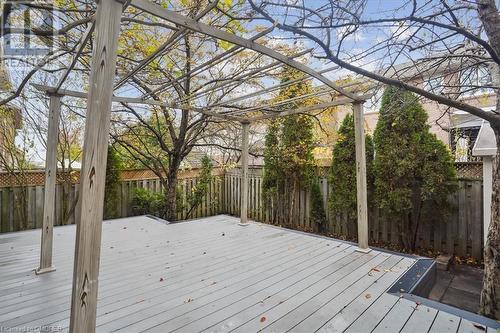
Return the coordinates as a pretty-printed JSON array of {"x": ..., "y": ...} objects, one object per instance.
[
  {"x": 113, "y": 167},
  {"x": 272, "y": 172},
  {"x": 318, "y": 214},
  {"x": 414, "y": 170},
  {"x": 288, "y": 156},
  {"x": 343, "y": 194},
  {"x": 195, "y": 198}
]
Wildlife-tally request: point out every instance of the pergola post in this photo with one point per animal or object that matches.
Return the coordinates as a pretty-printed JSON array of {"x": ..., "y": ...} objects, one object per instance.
[
  {"x": 244, "y": 174},
  {"x": 362, "y": 197},
  {"x": 49, "y": 213},
  {"x": 487, "y": 194},
  {"x": 92, "y": 179}
]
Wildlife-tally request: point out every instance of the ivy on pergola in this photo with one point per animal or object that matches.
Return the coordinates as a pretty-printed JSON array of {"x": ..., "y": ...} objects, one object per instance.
[{"x": 100, "y": 96}]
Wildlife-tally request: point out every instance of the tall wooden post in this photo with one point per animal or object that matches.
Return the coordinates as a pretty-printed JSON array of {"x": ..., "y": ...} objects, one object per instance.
[
  {"x": 89, "y": 223},
  {"x": 244, "y": 174},
  {"x": 487, "y": 194},
  {"x": 49, "y": 212},
  {"x": 362, "y": 197}
]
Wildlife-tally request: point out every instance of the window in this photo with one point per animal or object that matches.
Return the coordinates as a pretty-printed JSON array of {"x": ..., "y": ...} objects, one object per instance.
[
  {"x": 434, "y": 85},
  {"x": 475, "y": 80},
  {"x": 462, "y": 142}
]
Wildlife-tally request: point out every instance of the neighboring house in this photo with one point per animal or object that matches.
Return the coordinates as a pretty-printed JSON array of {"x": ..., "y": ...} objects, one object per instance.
[{"x": 458, "y": 129}]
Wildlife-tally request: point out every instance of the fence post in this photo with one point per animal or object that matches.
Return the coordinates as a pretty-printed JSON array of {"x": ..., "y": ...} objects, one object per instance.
[
  {"x": 361, "y": 177},
  {"x": 50, "y": 187}
]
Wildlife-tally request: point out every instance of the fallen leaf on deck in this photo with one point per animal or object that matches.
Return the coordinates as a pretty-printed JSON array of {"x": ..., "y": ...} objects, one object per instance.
[
  {"x": 482, "y": 328},
  {"x": 375, "y": 269},
  {"x": 368, "y": 296},
  {"x": 189, "y": 300},
  {"x": 262, "y": 319}
]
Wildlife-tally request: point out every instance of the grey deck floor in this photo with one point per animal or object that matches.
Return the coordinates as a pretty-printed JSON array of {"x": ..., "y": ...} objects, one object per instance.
[{"x": 215, "y": 276}]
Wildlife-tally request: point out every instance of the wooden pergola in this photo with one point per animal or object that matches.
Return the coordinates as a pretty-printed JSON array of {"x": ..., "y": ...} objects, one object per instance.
[{"x": 100, "y": 96}]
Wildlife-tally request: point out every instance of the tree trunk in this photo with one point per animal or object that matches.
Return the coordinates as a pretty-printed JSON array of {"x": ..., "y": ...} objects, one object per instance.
[
  {"x": 490, "y": 295},
  {"x": 171, "y": 194}
]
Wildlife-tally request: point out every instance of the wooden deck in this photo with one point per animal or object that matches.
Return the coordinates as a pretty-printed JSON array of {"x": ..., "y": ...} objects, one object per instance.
[{"x": 215, "y": 276}]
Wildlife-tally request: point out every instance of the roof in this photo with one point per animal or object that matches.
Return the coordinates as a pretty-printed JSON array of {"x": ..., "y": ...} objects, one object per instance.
[{"x": 485, "y": 144}]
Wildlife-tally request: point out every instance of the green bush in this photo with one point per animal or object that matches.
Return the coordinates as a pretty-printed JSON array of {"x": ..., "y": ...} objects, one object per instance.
[
  {"x": 414, "y": 170},
  {"x": 113, "y": 167},
  {"x": 318, "y": 214},
  {"x": 343, "y": 194},
  {"x": 148, "y": 202},
  {"x": 195, "y": 197}
]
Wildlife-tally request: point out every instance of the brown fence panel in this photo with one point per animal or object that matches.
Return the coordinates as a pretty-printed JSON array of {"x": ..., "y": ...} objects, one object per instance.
[{"x": 460, "y": 233}]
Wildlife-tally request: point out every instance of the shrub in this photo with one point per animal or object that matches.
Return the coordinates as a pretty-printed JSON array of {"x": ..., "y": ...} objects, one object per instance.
[
  {"x": 343, "y": 194},
  {"x": 148, "y": 202},
  {"x": 195, "y": 198},
  {"x": 318, "y": 214},
  {"x": 113, "y": 167},
  {"x": 414, "y": 170}
]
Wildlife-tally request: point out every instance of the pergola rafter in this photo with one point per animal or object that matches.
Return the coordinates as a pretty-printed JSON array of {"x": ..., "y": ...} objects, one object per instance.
[
  {"x": 212, "y": 62},
  {"x": 176, "y": 18},
  {"x": 100, "y": 97},
  {"x": 171, "y": 40}
]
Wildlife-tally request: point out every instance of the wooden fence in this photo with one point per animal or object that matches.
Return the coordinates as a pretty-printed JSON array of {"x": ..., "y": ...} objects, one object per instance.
[
  {"x": 21, "y": 207},
  {"x": 461, "y": 233}
]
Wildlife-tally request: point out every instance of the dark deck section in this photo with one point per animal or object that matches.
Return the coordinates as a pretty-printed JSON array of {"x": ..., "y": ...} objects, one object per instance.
[{"x": 212, "y": 275}]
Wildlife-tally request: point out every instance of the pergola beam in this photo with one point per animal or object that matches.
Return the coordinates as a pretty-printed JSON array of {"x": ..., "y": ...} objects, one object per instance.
[
  {"x": 309, "y": 108},
  {"x": 272, "y": 88},
  {"x": 193, "y": 25},
  {"x": 280, "y": 103},
  {"x": 134, "y": 100}
]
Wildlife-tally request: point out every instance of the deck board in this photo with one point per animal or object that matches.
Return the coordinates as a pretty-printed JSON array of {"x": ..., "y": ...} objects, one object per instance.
[{"x": 212, "y": 275}]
